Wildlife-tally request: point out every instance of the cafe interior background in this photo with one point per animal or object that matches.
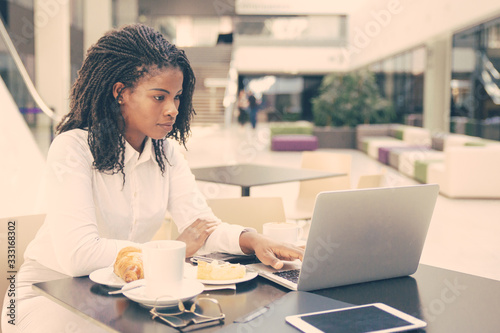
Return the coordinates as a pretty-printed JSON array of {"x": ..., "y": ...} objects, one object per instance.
[{"x": 428, "y": 58}]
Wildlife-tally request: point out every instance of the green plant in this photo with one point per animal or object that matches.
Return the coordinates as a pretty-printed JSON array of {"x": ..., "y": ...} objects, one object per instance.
[{"x": 350, "y": 99}]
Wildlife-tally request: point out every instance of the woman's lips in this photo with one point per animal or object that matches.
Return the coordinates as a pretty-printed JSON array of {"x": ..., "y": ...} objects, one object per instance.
[{"x": 166, "y": 126}]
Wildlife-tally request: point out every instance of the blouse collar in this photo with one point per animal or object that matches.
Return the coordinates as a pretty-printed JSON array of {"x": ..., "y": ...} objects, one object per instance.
[{"x": 132, "y": 154}]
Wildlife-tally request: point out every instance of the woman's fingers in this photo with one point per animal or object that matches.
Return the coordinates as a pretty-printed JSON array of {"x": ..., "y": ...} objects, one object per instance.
[
  {"x": 269, "y": 251},
  {"x": 196, "y": 234}
]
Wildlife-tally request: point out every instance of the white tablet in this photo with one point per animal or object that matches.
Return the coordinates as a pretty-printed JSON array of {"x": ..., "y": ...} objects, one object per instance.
[{"x": 368, "y": 318}]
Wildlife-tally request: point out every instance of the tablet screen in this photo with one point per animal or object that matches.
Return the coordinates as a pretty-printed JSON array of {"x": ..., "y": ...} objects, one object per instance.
[{"x": 356, "y": 320}]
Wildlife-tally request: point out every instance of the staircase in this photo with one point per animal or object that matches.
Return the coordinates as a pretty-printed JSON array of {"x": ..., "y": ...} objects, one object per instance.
[{"x": 210, "y": 66}]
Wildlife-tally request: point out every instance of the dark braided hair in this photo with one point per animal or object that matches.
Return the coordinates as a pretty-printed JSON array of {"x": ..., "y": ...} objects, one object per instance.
[{"x": 124, "y": 55}]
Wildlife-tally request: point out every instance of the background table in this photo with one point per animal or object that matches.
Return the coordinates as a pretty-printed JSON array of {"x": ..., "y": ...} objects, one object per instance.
[
  {"x": 248, "y": 175},
  {"x": 448, "y": 301}
]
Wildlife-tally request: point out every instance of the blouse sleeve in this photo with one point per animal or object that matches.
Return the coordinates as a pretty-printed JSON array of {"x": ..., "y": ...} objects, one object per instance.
[
  {"x": 71, "y": 218},
  {"x": 186, "y": 204}
]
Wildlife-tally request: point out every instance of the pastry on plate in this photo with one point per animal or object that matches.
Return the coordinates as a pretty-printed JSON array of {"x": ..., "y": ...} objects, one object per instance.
[
  {"x": 129, "y": 265},
  {"x": 216, "y": 270}
]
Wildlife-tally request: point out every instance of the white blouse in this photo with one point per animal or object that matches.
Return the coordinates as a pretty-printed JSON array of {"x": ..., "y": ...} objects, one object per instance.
[{"x": 91, "y": 215}]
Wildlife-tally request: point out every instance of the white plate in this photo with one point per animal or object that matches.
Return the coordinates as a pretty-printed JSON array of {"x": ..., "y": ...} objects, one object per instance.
[
  {"x": 190, "y": 273},
  {"x": 107, "y": 277},
  {"x": 248, "y": 276},
  {"x": 189, "y": 289}
]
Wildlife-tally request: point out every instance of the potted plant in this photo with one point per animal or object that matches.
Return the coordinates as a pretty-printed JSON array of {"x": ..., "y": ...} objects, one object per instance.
[{"x": 346, "y": 100}]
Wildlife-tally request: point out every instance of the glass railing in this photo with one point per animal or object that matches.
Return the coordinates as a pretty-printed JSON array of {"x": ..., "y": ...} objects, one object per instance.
[
  {"x": 40, "y": 118},
  {"x": 296, "y": 30},
  {"x": 490, "y": 78}
]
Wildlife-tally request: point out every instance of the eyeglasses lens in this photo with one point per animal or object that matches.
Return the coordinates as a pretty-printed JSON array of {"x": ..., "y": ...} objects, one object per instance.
[
  {"x": 203, "y": 310},
  {"x": 207, "y": 308},
  {"x": 174, "y": 321}
]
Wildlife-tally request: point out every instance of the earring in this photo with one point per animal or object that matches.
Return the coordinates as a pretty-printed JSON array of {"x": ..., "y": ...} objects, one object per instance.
[{"x": 119, "y": 101}]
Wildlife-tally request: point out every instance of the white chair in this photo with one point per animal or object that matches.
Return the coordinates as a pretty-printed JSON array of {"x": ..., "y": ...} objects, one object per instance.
[
  {"x": 250, "y": 212},
  {"x": 166, "y": 230},
  {"x": 18, "y": 231},
  {"x": 309, "y": 189},
  {"x": 468, "y": 172},
  {"x": 370, "y": 181}
]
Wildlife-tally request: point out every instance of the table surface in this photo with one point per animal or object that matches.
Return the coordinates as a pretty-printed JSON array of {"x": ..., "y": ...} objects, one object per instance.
[
  {"x": 448, "y": 301},
  {"x": 248, "y": 175}
]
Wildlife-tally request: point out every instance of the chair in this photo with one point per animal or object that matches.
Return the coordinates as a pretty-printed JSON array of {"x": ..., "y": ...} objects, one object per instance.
[
  {"x": 250, "y": 212},
  {"x": 309, "y": 189},
  {"x": 25, "y": 229},
  {"x": 166, "y": 230},
  {"x": 370, "y": 181}
]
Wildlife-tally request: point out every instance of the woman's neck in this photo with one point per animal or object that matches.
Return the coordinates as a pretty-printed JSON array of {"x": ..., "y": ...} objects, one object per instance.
[{"x": 138, "y": 145}]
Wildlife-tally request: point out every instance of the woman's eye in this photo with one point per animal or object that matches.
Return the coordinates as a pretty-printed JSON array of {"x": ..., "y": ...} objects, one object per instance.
[
  {"x": 159, "y": 98},
  {"x": 178, "y": 97}
]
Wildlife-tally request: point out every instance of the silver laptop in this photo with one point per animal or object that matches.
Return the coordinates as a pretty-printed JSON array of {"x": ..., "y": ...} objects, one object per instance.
[{"x": 359, "y": 236}]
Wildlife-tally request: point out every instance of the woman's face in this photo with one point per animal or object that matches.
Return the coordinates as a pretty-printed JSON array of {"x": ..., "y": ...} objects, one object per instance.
[{"x": 150, "y": 108}]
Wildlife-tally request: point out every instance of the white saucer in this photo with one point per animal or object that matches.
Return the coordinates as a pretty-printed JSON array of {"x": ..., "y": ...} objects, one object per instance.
[
  {"x": 189, "y": 289},
  {"x": 107, "y": 277},
  {"x": 248, "y": 276},
  {"x": 190, "y": 273}
]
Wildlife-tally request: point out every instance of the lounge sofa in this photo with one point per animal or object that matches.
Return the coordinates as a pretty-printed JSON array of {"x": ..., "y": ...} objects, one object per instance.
[
  {"x": 370, "y": 138},
  {"x": 293, "y": 136},
  {"x": 294, "y": 127},
  {"x": 464, "y": 166},
  {"x": 470, "y": 171}
]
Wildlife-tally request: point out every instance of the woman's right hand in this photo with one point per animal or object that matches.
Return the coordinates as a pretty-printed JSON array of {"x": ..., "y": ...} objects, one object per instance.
[{"x": 196, "y": 234}]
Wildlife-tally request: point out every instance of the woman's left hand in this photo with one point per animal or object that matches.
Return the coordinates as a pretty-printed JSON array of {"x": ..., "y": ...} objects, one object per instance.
[
  {"x": 269, "y": 251},
  {"x": 196, "y": 234}
]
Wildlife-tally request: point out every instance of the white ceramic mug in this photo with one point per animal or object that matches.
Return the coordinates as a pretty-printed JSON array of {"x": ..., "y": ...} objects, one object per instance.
[
  {"x": 163, "y": 267},
  {"x": 284, "y": 232}
]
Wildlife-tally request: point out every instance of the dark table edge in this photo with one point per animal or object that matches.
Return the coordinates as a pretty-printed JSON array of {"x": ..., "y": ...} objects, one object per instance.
[
  {"x": 107, "y": 328},
  {"x": 73, "y": 310},
  {"x": 327, "y": 174}
]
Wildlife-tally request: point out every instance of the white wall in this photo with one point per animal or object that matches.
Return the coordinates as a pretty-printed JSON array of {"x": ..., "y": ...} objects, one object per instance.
[
  {"x": 97, "y": 19},
  {"x": 377, "y": 29},
  {"x": 289, "y": 60},
  {"x": 380, "y": 28},
  {"x": 437, "y": 83},
  {"x": 281, "y": 7},
  {"x": 22, "y": 162},
  {"x": 127, "y": 11},
  {"x": 52, "y": 53}
]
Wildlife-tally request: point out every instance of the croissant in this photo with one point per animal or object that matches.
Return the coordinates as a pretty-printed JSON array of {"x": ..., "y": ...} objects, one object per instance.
[{"x": 129, "y": 265}]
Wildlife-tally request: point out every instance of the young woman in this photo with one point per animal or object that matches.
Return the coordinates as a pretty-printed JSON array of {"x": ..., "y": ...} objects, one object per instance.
[{"x": 115, "y": 169}]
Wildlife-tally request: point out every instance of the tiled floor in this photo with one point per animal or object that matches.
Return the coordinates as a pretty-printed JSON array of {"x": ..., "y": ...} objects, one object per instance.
[{"x": 464, "y": 234}]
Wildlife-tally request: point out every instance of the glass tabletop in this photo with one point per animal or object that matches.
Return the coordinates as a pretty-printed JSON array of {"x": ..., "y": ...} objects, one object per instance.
[
  {"x": 248, "y": 175},
  {"x": 448, "y": 301}
]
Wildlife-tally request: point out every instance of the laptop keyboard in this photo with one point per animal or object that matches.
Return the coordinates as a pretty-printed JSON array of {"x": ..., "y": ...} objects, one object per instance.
[{"x": 291, "y": 275}]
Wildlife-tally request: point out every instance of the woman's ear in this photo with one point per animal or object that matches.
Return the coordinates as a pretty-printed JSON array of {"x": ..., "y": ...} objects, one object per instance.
[{"x": 117, "y": 89}]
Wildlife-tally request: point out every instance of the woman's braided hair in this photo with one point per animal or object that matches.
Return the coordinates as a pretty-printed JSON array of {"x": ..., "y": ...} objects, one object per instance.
[{"x": 124, "y": 55}]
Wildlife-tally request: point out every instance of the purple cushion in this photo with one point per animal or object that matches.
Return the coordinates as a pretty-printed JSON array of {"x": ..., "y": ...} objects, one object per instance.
[
  {"x": 294, "y": 142},
  {"x": 383, "y": 154}
]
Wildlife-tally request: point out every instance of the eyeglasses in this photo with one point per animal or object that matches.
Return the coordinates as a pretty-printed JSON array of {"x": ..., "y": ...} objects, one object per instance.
[{"x": 203, "y": 310}]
